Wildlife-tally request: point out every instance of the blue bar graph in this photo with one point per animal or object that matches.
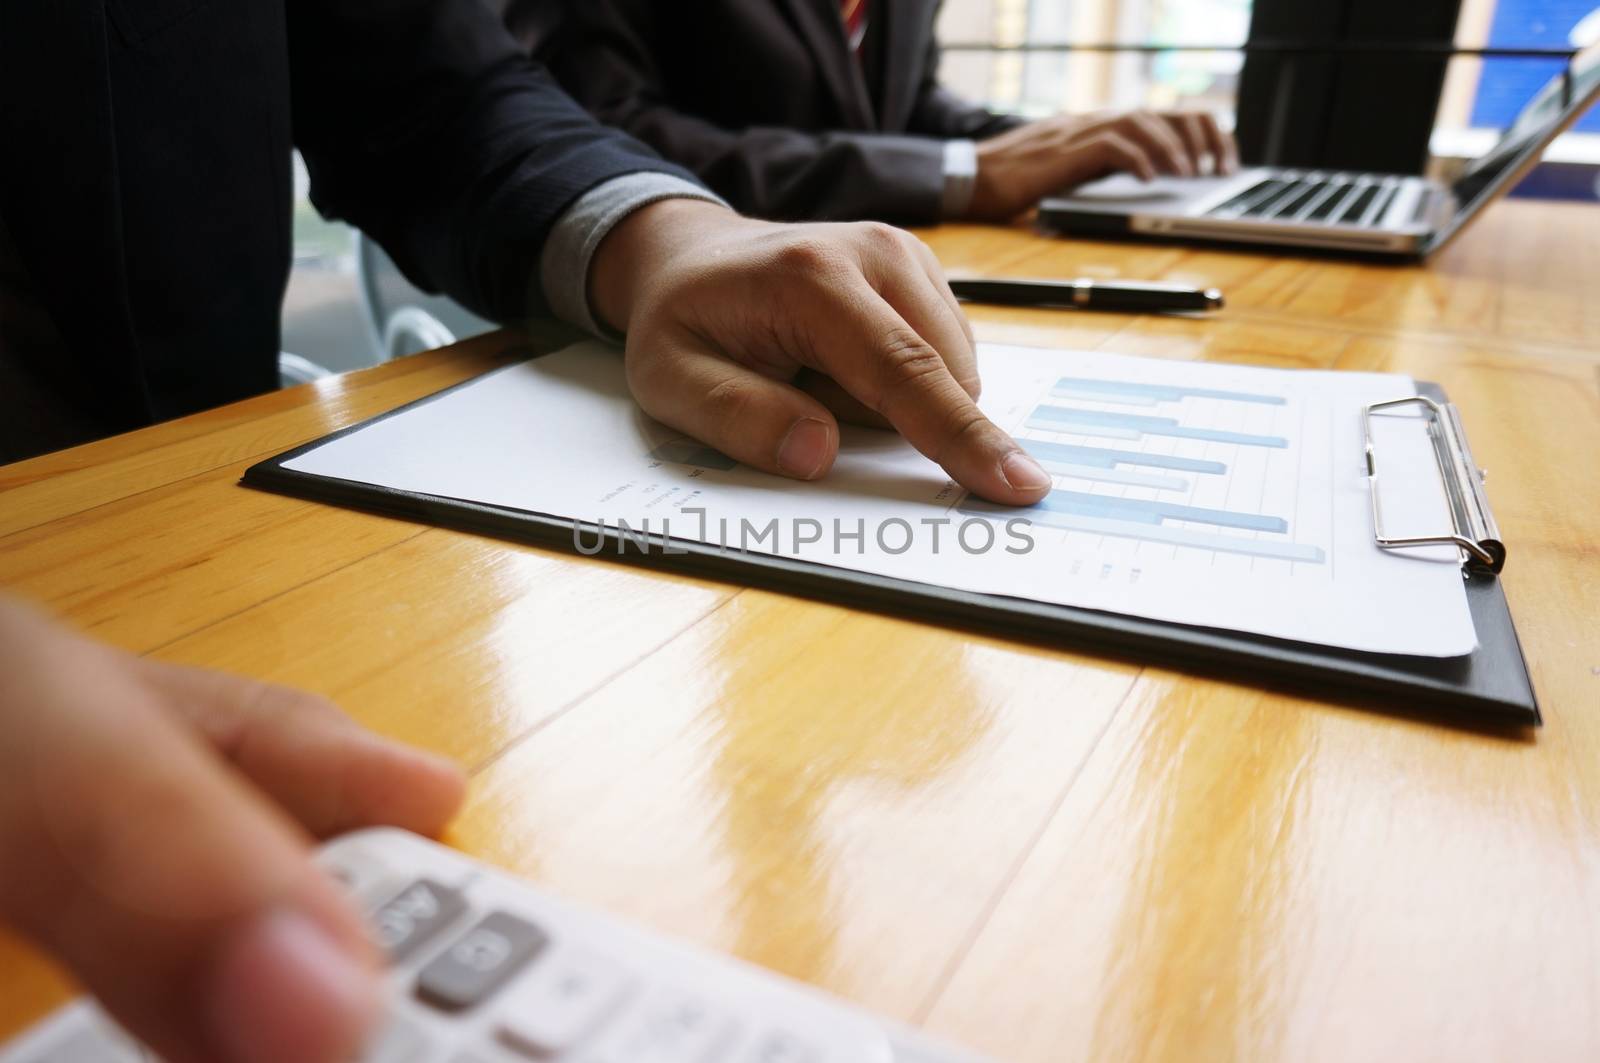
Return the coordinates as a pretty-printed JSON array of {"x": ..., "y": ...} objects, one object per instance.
[
  {"x": 1149, "y": 520},
  {"x": 1127, "y": 435},
  {"x": 1127, "y": 477},
  {"x": 688, "y": 452},
  {"x": 1148, "y": 527},
  {"x": 1148, "y": 512},
  {"x": 1068, "y": 419},
  {"x": 1106, "y": 459},
  {"x": 1093, "y": 396},
  {"x": 1147, "y": 394},
  {"x": 1154, "y": 533}
]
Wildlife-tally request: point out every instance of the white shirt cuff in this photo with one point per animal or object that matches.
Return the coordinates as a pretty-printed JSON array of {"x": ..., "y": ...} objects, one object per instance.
[
  {"x": 577, "y": 234},
  {"x": 960, "y": 177}
]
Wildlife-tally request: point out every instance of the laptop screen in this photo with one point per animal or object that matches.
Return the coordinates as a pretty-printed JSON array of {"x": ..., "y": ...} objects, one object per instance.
[{"x": 1535, "y": 127}]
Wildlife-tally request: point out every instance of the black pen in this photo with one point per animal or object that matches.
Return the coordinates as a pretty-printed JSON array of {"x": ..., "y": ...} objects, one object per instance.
[{"x": 1085, "y": 294}]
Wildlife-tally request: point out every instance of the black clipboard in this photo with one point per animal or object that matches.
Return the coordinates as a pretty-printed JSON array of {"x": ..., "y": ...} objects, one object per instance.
[{"x": 1491, "y": 685}]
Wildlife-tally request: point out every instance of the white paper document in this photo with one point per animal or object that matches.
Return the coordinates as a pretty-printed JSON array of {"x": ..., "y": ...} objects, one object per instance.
[{"x": 1214, "y": 495}]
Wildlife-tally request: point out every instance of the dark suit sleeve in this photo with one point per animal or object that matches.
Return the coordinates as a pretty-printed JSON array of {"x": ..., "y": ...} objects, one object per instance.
[
  {"x": 939, "y": 112},
  {"x": 424, "y": 124},
  {"x": 606, "y": 60}
]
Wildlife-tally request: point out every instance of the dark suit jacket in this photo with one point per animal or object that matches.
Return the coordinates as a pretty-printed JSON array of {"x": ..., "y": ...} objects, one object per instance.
[
  {"x": 763, "y": 100},
  {"x": 146, "y": 182}
]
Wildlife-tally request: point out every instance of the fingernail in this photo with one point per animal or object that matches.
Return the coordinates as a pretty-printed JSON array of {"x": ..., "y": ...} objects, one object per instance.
[
  {"x": 1023, "y": 473},
  {"x": 804, "y": 449},
  {"x": 284, "y": 989}
]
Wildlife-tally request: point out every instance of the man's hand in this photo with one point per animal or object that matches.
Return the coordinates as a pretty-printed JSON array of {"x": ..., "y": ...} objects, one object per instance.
[
  {"x": 754, "y": 337},
  {"x": 1018, "y": 168},
  {"x": 155, "y": 824}
]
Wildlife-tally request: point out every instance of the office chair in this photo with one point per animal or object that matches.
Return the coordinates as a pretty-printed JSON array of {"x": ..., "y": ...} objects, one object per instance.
[
  {"x": 294, "y": 369},
  {"x": 401, "y": 319}
]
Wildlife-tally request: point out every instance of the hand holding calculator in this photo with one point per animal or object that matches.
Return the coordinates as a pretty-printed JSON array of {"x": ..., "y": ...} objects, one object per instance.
[{"x": 486, "y": 969}]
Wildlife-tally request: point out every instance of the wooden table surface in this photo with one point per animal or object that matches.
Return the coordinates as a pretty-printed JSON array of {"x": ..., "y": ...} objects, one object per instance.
[{"x": 1041, "y": 854}]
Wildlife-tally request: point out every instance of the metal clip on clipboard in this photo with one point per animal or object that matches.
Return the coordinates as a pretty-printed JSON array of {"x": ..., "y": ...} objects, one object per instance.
[{"x": 1472, "y": 526}]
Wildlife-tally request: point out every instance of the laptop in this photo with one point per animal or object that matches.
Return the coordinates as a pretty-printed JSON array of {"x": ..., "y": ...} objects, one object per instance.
[{"x": 1371, "y": 213}]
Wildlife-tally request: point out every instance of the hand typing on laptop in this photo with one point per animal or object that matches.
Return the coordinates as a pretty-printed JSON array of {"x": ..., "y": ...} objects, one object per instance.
[{"x": 1018, "y": 168}]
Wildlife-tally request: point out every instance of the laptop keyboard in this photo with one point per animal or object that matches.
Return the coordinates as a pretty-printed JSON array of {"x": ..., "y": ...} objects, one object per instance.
[{"x": 1333, "y": 199}]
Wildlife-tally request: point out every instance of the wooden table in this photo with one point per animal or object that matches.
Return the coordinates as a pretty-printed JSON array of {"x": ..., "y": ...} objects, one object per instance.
[{"x": 1041, "y": 854}]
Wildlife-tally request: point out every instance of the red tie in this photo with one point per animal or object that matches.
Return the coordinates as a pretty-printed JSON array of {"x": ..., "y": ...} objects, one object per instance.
[{"x": 854, "y": 13}]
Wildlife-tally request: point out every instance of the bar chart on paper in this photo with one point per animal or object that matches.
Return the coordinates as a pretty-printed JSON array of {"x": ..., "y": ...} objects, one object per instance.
[
  {"x": 1222, "y": 496},
  {"x": 1158, "y": 472}
]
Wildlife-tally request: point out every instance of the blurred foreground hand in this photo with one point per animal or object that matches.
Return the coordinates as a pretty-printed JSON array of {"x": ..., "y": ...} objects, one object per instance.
[{"x": 155, "y": 836}]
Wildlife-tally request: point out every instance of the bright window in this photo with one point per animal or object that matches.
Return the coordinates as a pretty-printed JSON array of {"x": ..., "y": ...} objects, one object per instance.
[
  {"x": 1046, "y": 82},
  {"x": 1481, "y": 96}
]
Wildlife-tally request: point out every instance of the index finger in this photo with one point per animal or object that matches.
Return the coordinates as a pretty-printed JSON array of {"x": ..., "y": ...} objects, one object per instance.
[
  {"x": 868, "y": 347},
  {"x": 1224, "y": 149}
]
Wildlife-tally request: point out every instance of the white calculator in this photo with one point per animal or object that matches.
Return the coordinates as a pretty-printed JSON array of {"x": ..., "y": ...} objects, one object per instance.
[{"x": 487, "y": 969}]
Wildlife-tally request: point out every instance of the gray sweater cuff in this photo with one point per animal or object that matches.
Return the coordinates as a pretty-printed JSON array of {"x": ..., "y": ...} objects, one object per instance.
[
  {"x": 960, "y": 178},
  {"x": 576, "y": 235}
]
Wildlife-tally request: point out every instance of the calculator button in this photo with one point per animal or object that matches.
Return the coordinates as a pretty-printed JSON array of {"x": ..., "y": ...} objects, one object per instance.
[
  {"x": 91, "y": 1044},
  {"x": 400, "y": 1041},
  {"x": 414, "y": 915},
  {"x": 481, "y": 961},
  {"x": 778, "y": 1047},
  {"x": 676, "y": 1030},
  {"x": 358, "y": 875},
  {"x": 564, "y": 1002}
]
